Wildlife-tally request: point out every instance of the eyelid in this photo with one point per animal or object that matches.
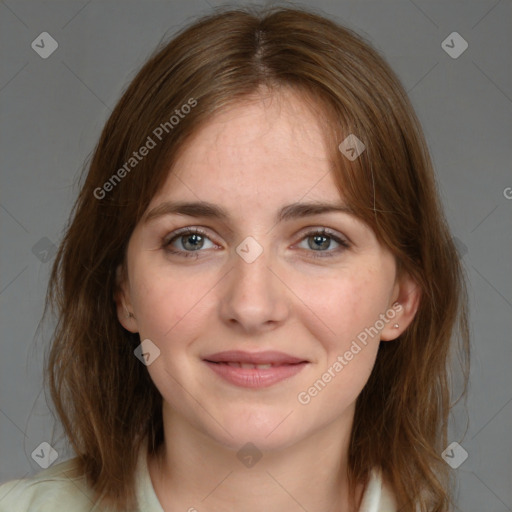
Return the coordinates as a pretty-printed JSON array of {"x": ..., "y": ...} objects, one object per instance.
[
  {"x": 309, "y": 230},
  {"x": 185, "y": 231}
]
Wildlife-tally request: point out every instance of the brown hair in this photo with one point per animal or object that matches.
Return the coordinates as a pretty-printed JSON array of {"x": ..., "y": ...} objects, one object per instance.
[{"x": 103, "y": 394}]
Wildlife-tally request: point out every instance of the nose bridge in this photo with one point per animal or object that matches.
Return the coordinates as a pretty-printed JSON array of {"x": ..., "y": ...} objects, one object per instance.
[
  {"x": 252, "y": 266},
  {"x": 253, "y": 295},
  {"x": 252, "y": 276}
]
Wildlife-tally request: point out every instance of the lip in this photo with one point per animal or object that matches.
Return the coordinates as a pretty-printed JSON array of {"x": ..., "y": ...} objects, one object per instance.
[
  {"x": 266, "y": 357},
  {"x": 283, "y": 366}
]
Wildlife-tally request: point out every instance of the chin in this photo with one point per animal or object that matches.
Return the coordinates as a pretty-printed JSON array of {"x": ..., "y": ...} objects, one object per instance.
[{"x": 266, "y": 429}]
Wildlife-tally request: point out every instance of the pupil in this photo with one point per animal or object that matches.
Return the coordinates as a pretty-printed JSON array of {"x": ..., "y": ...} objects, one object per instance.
[
  {"x": 319, "y": 239},
  {"x": 195, "y": 237}
]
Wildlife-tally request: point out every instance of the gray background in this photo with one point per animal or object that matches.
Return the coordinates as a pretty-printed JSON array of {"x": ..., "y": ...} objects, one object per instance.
[{"x": 52, "y": 111}]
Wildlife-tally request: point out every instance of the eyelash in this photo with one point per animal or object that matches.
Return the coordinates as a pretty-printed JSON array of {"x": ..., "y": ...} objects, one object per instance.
[{"x": 197, "y": 231}]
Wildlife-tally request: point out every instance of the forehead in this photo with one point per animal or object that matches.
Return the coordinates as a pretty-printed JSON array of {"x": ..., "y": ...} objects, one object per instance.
[{"x": 268, "y": 149}]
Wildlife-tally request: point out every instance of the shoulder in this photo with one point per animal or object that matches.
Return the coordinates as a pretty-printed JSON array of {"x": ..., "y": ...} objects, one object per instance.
[{"x": 59, "y": 487}]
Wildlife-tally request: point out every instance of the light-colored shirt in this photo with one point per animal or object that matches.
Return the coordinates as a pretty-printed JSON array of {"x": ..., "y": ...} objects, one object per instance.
[{"x": 60, "y": 488}]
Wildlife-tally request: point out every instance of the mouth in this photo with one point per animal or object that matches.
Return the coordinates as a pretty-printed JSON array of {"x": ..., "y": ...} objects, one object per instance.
[
  {"x": 240, "y": 357},
  {"x": 264, "y": 366},
  {"x": 255, "y": 370}
]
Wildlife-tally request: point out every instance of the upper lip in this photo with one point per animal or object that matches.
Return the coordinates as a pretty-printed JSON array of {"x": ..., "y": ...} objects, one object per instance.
[{"x": 267, "y": 357}]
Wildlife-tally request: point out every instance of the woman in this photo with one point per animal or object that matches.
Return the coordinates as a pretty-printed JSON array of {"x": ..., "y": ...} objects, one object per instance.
[{"x": 258, "y": 291}]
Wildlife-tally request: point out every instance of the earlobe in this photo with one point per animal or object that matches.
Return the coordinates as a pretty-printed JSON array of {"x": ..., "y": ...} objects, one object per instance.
[
  {"x": 123, "y": 303},
  {"x": 406, "y": 301}
]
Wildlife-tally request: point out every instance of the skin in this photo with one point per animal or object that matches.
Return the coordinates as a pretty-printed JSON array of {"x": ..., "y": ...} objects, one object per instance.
[{"x": 252, "y": 159}]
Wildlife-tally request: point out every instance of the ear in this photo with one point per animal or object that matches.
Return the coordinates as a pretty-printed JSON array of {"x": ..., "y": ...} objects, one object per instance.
[
  {"x": 402, "y": 308},
  {"x": 123, "y": 302}
]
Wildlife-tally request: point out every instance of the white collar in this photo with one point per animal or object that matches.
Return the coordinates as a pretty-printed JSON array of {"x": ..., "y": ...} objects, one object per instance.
[{"x": 376, "y": 498}]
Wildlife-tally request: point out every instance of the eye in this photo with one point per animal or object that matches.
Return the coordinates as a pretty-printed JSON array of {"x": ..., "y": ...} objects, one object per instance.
[
  {"x": 187, "y": 241},
  {"x": 319, "y": 241}
]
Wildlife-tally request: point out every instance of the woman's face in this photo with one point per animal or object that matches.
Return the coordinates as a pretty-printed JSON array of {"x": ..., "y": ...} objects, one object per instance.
[{"x": 259, "y": 278}]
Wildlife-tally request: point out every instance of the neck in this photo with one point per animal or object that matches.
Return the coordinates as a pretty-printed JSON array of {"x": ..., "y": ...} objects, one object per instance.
[{"x": 192, "y": 472}]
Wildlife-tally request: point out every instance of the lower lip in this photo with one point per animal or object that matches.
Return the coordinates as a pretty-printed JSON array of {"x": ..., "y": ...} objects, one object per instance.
[{"x": 254, "y": 377}]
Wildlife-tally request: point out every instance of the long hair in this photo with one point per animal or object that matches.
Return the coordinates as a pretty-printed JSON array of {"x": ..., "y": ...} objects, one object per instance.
[{"x": 103, "y": 394}]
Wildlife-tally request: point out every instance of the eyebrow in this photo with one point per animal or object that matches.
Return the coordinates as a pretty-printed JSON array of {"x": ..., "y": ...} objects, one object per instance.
[{"x": 212, "y": 211}]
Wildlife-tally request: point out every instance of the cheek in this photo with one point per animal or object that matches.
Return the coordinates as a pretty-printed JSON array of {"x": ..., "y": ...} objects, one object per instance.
[
  {"x": 166, "y": 304},
  {"x": 340, "y": 308},
  {"x": 341, "y": 318}
]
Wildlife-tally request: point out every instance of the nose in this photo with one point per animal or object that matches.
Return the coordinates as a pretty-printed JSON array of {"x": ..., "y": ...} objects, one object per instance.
[{"x": 254, "y": 297}]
